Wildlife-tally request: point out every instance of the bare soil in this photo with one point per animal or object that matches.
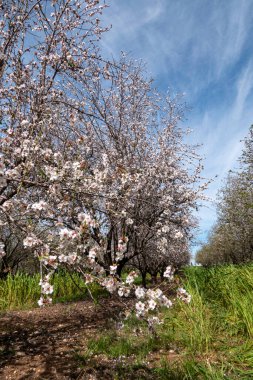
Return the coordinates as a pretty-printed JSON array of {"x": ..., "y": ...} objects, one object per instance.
[{"x": 45, "y": 343}]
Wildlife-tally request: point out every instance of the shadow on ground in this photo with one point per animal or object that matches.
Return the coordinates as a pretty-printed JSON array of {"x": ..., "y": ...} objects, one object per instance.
[{"x": 44, "y": 343}]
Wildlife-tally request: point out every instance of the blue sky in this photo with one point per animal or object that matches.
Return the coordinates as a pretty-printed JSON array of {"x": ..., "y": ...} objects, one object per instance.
[{"x": 203, "y": 48}]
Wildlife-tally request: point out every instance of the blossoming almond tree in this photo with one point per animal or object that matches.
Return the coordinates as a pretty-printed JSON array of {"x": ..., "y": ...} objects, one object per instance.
[
  {"x": 148, "y": 194},
  {"x": 44, "y": 47},
  {"x": 93, "y": 164}
]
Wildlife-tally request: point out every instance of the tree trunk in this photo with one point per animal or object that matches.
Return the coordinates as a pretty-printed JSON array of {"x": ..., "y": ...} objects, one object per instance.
[
  {"x": 154, "y": 278},
  {"x": 143, "y": 275}
]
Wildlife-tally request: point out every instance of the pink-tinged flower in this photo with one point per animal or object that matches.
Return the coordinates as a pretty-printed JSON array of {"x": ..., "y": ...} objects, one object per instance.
[
  {"x": 181, "y": 291},
  {"x": 158, "y": 294},
  {"x": 131, "y": 277},
  {"x": 151, "y": 293},
  {"x": 72, "y": 258},
  {"x": 165, "y": 229},
  {"x": 31, "y": 241},
  {"x": 39, "y": 206},
  {"x": 110, "y": 284},
  {"x": 183, "y": 295},
  {"x": 81, "y": 216},
  {"x": 119, "y": 256},
  {"x": 76, "y": 165},
  {"x": 47, "y": 288},
  {"x": 65, "y": 233},
  {"x": 52, "y": 174},
  {"x": 88, "y": 278},
  {"x": 87, "y": 219},
  {"x": 41, "y": 301},
  {"x": 122, "y": 246},
  {"x": 50, "y": 260}
]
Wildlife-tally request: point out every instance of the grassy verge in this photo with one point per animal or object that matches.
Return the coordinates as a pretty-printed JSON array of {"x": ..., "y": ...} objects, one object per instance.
[
  {"x": 23, "y": 291},
  {"x": 211, "y": 338}
]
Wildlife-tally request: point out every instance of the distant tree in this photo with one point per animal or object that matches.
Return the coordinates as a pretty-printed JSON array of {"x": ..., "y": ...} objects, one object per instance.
[
  {"x": 155, "y": 260},
  {"x": 231, "y": 240}
]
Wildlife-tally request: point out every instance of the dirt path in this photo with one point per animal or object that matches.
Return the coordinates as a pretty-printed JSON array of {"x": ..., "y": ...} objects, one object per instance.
[{"x": 43, "y": 343}]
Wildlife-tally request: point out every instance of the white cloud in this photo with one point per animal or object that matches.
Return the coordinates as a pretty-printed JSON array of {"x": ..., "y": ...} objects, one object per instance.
[
  {"x": 201, "y": 47},
  {"x": 244, "y": 89},
  {"x": 197, "y": 39}
]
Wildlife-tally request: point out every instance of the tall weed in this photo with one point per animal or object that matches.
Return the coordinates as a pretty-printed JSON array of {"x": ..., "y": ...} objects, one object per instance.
[{"x": 22, "y": 291}]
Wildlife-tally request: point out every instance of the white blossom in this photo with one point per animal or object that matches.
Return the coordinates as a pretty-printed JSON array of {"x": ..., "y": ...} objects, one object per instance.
[
  {"x": 47, "y": 288},
  {"x": 140, "y": 292},
  {"x": 72, "y": 258},
  {"x": 168, "y": 272},
  {"x": 113, "y": 269},
  {"x": 129, "y": 221},
  {"x": 88, "y": 278},
  {"x": 44, "y": 301},
  {"x": 183, "y": 295},
  {"x": 50, "y": 260},
  {"x": 63, "y": 258},
  {"x": 131, "y": 277},
  {"x": 123, "y": 291},
  {"x": 39, "y": 206},
  {"x": 140, "y": 307},
  {"x": 154, "y": 321},
  {"x": 65, "y": 233},
  {"x": 92, "y": 254},
  {"x": 178, "y": 235},
  {"x": 24, "y": 123},
  {"x": 2, "y": 251},
  {"x": 31, "y": 241},
  {"x": 152, "y": 304},
  {"x": 165, "y": 301},
  {"x": 110, "y": 284}
]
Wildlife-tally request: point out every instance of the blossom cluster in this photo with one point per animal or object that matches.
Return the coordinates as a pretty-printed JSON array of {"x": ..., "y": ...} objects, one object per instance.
[
  {"x": 150, "y": 300},
  {"x": 183, "y": 295},
  {"x": 2, "y": 251}
]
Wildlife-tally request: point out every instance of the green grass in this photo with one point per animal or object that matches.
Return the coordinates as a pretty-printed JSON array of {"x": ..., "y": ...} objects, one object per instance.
[
  {"x": 211, "y": 338},
  {"x": 22, "y": 291}
]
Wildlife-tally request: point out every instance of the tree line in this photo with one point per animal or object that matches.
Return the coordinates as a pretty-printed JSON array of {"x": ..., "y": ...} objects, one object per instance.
[{"x": 231, "y": 239}]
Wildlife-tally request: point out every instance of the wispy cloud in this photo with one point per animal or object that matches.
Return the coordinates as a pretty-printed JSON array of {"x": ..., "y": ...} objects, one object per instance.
[
  {"x": 203, "y": 48},
  {"x": 196, "y": 39},
  {"x": 221, "y": 132},
  {"x": 244, "y": 88}
]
